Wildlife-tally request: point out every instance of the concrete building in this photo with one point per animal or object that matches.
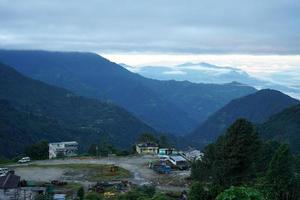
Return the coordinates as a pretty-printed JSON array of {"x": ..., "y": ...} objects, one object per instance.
[
  {"x": 147, "y": 148},
  {"x": 166, "y": 152},
  {"x": 63, "y": 149}
]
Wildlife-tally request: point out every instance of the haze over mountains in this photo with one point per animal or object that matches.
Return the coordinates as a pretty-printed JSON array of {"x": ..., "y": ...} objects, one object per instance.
[
  {"x": 32, "y": 110},
  {"x": 256, "y": 107},
  {"x": 168, "y": 106},
  {"x": 209, "y": 73}
]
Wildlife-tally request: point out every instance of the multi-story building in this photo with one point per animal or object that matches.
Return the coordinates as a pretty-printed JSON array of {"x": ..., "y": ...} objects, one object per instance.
[
  {"x": 63, "y": 149},
  {"x": 147, "y": 148}
]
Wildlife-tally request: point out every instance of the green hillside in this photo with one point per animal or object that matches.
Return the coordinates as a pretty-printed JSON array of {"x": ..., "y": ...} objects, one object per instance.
[
  {"x": 90, "y": 120},
  {"x": 284, "y": 127}
]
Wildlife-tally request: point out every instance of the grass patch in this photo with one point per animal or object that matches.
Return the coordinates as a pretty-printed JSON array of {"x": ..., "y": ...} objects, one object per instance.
[
  {"x": 89, "y": 172},
  {"x": 3, "y": 163}
]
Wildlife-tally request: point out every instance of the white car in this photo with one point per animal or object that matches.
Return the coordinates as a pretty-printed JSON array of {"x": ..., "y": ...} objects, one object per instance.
[
  {"x": 3, "y": 171},
  {"x": 24, "y": 160}
]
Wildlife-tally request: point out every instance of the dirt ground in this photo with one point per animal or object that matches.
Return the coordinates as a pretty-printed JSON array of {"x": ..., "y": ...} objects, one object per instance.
[{"x": 137, "y": 165}]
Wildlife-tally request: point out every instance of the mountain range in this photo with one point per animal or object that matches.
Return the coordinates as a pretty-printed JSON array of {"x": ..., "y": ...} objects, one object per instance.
[
  {"x": 32, "y": 110},
  {"x": 209, "y": 73},
  {"x": 35, "y": 105},
  {"x": 168, "y": 106},
  {"x": 256, "y": 107}
]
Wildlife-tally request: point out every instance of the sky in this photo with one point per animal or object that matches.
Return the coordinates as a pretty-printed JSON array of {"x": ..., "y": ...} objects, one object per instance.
[{"x": 259, "y": 36}]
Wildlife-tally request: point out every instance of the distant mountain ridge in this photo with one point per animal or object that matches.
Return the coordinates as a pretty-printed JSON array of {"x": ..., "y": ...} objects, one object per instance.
[
  {"x": 168, "y": 106},
  {"x": 256, "y": 107},
  {"x": 32, "y": 110},
  {"x": 209, "y": 73}
]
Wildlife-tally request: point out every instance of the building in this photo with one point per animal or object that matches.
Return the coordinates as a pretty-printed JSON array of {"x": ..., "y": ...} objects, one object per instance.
[
  {"x": 166, "y": 152},
  {"x": 179, "y": 161},
  {"x": 9, "y": 186},
  {"x": 147, "y": 148},
  {"x": 63, "y": 149},
  {"x": 193, "y": 155}
]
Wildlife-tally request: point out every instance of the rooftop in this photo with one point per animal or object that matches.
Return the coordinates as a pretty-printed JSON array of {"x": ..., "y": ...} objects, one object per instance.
[
  {"x": 9, "y": 181},
  {"x": 60, "y": 143},
  {"x": 177, "y": 158},
  {"x": 147, "y": 144}
]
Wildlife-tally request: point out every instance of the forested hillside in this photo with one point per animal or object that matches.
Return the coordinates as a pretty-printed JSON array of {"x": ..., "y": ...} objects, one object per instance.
[
  {"x": 256, "y": 107},
  {"x": 57, "y": 110},
  {"x": 284, "y": 127}
]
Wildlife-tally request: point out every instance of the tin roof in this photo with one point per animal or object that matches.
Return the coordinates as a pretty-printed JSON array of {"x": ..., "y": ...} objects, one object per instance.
[
  {"x": 147, "y": 144},
  {"x": 9, "y": 181}
]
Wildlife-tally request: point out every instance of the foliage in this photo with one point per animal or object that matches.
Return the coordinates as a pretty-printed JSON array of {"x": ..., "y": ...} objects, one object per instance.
[
  {"x": 43, "y": 197},
  {"x": 164, "y": 141},
  {"x": 147, "y": 137},
  {"x": 197, "y": 192},
  {"x": 256, "y": 107},
  {"x": 240, "y": 158},
  {"x": 104, "y": 148},
  {"x": 80, "y": 193},
  {"x": 141, "y": 193},
  {"x": 284, "y": 127},
  {"x": 240, "y": 193},
  {"x": 280, "y": 181},
  {"x": 93, "y": 196},
  {"x": 93, "y": 150},
  {"x": 160, "y": 196},
  {"x": 231, "y": 160},
  {"x": 266, "y": 152},
  {"x": 32, "y": 111},
  {"x": 38, "y": 151}
]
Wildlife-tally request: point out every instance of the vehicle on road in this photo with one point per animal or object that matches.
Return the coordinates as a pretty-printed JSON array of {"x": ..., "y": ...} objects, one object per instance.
[
  {"x": 3, "y": 171},
  {"x": 24, "y": 160}
]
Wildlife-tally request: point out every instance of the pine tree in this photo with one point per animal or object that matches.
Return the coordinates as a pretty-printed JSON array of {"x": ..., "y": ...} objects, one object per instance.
[
  {"x": 80, "y": 193},
  {"x": 281, "y": 177},
  {"x": 231, "y": 160},
  {"x": 238, "y": 153}
]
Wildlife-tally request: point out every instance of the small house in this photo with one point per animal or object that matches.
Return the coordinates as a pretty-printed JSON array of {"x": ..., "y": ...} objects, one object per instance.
[
  {"x": 63, "y": 149},
  {"x": 147, "y": 148},
  {"x": 9, "y": 186},
  {"x": 179, "y": 162}
]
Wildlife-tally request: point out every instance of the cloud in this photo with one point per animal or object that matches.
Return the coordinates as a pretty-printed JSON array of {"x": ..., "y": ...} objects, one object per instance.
[
  {"x": 164, "y": 26},
  {"x": 174, "y": 72}
]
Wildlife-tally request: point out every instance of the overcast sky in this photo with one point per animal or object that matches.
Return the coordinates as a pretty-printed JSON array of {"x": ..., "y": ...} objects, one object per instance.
[
  {"x": 259, "y": 36},
  {"x": 161, "y": 26}
]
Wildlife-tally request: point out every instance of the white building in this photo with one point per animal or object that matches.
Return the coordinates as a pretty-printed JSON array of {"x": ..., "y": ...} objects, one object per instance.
[
  {"x": 193, "y": 155},
  {"x": 147, "y": 148},
  {"x": 63, "y": 149}
]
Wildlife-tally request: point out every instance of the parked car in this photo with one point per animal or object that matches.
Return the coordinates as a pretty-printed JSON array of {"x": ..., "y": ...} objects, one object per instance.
[
  {"x": 24, "y": 160},
  {"x": 3, "y": 171},
  {"x": 58, "y": 183}
]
